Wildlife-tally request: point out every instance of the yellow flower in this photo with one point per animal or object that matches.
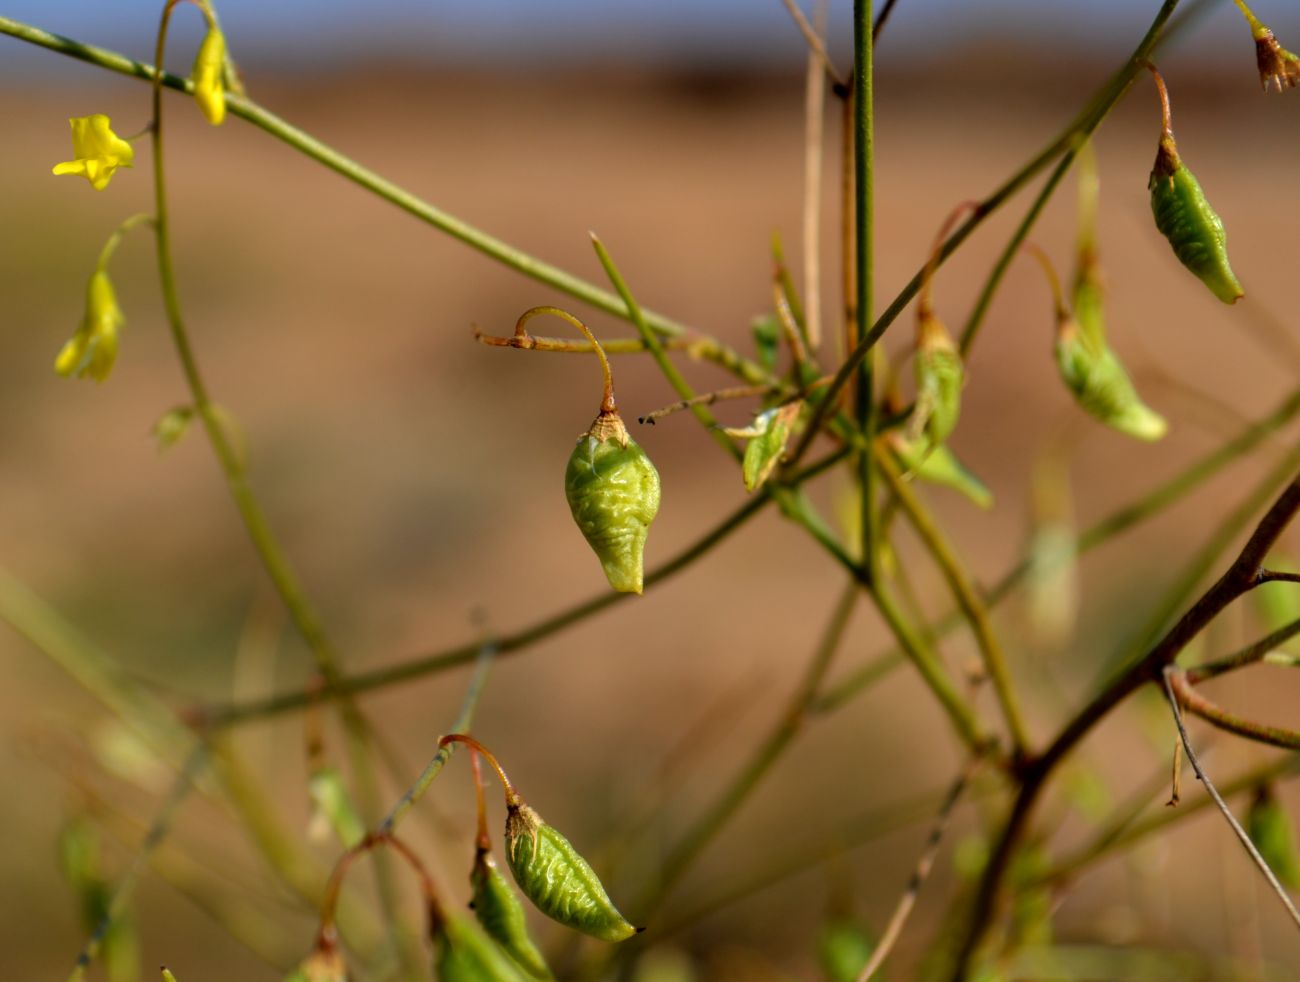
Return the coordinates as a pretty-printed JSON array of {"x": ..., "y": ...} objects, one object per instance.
[
  {"x": 209, "y": 69},
  {"x": 99, "y": 151},
  {"x": 93, "y": 349}
]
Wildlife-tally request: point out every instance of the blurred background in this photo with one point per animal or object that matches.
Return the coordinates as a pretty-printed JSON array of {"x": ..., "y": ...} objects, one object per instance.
[{"x": 414, "y": 476}]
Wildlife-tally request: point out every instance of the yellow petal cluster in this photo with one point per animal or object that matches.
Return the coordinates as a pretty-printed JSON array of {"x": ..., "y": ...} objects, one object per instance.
[{"x": 98, "y": 151}]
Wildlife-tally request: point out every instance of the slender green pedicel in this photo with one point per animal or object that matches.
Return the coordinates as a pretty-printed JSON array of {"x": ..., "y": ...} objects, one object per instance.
[
  {"x": 613, "y": 493},
  {"x": 501, "y": 915},
  {"x": 557, "y": 880}
]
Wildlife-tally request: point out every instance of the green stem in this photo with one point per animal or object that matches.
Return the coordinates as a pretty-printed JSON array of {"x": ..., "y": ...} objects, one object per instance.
[
  {"x": 1123, "y": 834},
  {"x": 1119, "y": 521},
  {"x": 489, "y": 245},
  {"x": 797, "y": 507},
  {"x": 1086, "y": 121},
  {"x": 507, "y": 644},
  {"x": 119, "y": 233},
  {"x": 968, "y": 601},
  {"x": 756, "y": 767},
  {"x": 1149, "y": 666},
  {"x": 994, "y": 280},
  {"x": 158, "y": 830},
  {"x": 863, "y": 219},
  {"x": 259, "y": 531},
  {"x": 1215, "y": 715},
  {"x": 1245, "y": 656},
  {"x": 675, "y": 378},
  {"x": 487, "y": 654}
]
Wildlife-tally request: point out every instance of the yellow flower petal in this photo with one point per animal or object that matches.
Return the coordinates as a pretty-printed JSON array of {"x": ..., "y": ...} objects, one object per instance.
[{"x": 99, "y": 151}]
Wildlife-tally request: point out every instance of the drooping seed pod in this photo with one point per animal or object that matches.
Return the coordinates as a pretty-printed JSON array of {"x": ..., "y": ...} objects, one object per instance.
[
  {"x": 937, "y": 465},
  {"x": 1269, "y": 828},
  {"x": 1100, "y": 386},
  {"x": 940, "y": 376},
  {"x": 557, "y": 879},
  {"x": 501, "y": 915},
  {"x": 1184, "y": 216},
  {"x": 613, "y": 492},
  {"x": 463, "y": 953}
]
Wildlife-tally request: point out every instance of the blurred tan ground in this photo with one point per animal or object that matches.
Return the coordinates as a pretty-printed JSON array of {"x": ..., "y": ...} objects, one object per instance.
[{"x": 414, "y": 476}]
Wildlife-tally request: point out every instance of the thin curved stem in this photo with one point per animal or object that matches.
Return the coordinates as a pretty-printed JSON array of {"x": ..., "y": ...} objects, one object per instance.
[
  {"x": 119, "y": 233},
  {"x": 1221, "y": 804},
  {"x": 747, "y": 778},
  {"x": 1245, "y": 656},
  {"x": 670, "y": 372},
  {"x": 158, "y": 830},
  {"x": 512, "y": 796},
  {"x": 969, "y": 602},
  {"x": 924, "y": 305},
  {"x": 814, "y": 41},
  {"x": 1213, "y": 714},
  {"x": 521, "y": 334},
  {"x": 1166, "y": 115},
  {"x": 894, "y": 928},
  {"x": 1061, "y": 309},
  {"x": 469, "y": 706}
]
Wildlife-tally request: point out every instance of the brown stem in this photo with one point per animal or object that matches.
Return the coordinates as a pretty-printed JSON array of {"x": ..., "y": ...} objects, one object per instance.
[
  {"x": 1239, "y": 578},
  {"x": 1249, "y": 846},
  {"x": 327, "y": 937},
  {"x": 924, "y": 307},
  {"x": 705, "y": 399},
  {"x": 879, "y": 25},
  {"x": 1196, "y": 703},
  {"x": 923, "y": 866},
  {"x": 484, "y": 840},
  {"x": 1166, "y": 117},
  {"x": 1053, "y": 281},
  {"x": 521, "y": 340},
  {"x": 512, "y": 796},
  {"x": 785, "y": 316}
]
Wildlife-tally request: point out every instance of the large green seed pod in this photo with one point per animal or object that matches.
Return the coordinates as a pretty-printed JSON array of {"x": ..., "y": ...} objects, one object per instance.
[
  {"x": 1100, "y": 385},
  {"x": 940, "y": 376},
  {"x": 463, "y": 953},
  {"x": 1185, "y": 218},
  {"x": 501, "y": 915},
  {"x": 559, "y": 881},
  {"x": 613, "y": 492},
  {"x": 1269, "y": 828}
]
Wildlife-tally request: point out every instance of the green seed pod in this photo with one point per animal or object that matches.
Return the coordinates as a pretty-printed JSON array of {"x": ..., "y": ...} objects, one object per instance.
[
  {"x": 613, "y": 492},
  {"x": 463, "y": 953},
  {"x": 1185, "y": 218},
  {"x": 558, "y": 880},
  {"x": 940, "y": 376},
  {"x": 1269, "y": 828},
  {"x": 938, "y": 465},
  {"x": 767, "y": 339},
  {"x": 1100, "y": 385},
  {"x": 501, "y": 915}
]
